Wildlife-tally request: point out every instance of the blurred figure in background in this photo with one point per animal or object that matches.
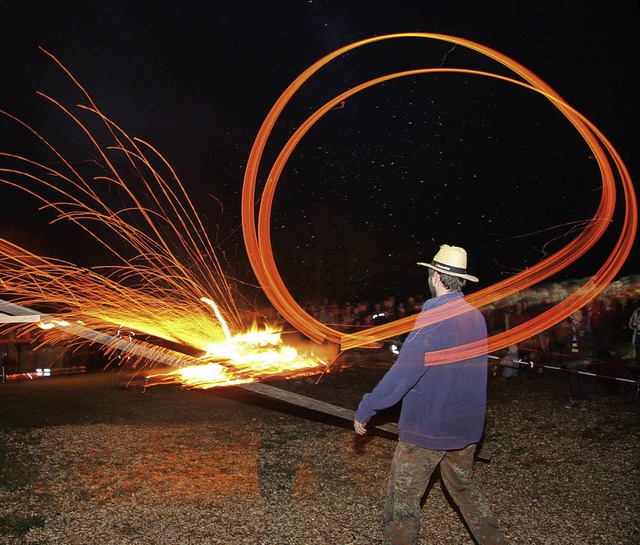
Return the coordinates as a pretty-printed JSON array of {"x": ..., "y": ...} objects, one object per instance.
[
  {"x": 528, "y": 349},
  {"x": 509, "y": 362},
  {"x": 576, "y": 340},
  {"x": 634, "y": 326}
]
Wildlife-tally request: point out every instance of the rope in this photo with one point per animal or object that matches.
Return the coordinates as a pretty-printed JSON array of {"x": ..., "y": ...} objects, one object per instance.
[{"x": 587, "y": 373}]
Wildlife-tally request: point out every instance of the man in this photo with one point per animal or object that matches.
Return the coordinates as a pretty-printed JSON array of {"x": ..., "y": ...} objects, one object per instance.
[{"x": 443, "y": 406}]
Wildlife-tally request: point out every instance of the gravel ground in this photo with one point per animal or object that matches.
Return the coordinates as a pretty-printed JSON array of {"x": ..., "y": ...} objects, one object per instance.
[{"x": 93, "y": 459}]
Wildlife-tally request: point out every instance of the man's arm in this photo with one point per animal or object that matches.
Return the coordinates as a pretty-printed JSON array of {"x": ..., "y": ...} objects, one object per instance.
[{"x": 403, "y": 375}]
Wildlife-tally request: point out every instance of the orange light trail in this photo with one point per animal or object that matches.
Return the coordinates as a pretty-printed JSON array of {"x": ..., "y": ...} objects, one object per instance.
[{"x": 258, "y": 241}]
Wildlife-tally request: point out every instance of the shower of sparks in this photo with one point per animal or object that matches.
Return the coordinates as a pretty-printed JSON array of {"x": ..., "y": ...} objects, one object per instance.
[{"x": 164, "y": 278}]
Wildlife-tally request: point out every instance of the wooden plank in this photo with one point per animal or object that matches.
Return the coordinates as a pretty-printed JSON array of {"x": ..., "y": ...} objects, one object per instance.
[
  {"x": 299, "y": 400},
  {"x": 28, "y": 318},
  {"x": 308, "y": 403}
]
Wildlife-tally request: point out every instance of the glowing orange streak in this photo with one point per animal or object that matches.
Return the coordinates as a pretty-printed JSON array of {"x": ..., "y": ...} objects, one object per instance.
[
  {"x": 98, "y": 301},
  {"x": 573, "y": 251},
  {"x": 162, "y": 303},
  {"x": 110, "y": 125},
  {"x": 591, "y": 288},
  {"x": 261, "y": 257},
  {"x": 60, "y": 285},
  {"x": 146, "y": 245}
]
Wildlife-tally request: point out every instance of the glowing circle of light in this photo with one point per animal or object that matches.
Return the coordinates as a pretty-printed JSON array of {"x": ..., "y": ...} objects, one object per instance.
[{"x": 258, "y": 241}]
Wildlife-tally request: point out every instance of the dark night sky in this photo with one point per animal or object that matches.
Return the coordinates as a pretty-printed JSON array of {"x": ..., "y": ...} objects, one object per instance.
[{"x": 383, "y": 181}]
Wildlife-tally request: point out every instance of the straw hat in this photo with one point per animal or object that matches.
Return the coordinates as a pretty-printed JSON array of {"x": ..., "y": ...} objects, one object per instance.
[{"x": 451, "y": 260}]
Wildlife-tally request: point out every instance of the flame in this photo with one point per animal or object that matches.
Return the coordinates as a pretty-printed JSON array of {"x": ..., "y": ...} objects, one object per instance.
[
  {"x": 46, "y": 326},
  {"x": 243, "y": 358}
]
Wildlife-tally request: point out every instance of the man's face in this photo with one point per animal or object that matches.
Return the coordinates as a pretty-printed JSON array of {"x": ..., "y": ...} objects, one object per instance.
[{"x": 432, "y": 288}]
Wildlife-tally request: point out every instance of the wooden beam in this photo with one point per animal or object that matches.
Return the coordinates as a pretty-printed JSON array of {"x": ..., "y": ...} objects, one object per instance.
[
  {"x": 28, "y": 318},
  {"x": 323, "y": 407},
  {"x": 308, "y": 403}
]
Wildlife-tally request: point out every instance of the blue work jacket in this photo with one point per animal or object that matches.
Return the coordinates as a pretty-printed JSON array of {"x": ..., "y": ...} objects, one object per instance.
[{"x": 443, "y": 404}]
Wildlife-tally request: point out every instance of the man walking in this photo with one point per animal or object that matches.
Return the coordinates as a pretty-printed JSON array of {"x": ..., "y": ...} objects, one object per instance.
[{"x": 443, "y": 406}]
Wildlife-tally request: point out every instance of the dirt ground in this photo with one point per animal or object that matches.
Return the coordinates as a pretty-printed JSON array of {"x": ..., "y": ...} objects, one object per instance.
[{"x": 95, "y": 459}]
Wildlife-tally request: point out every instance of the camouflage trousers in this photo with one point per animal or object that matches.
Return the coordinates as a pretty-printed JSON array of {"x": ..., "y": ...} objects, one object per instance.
[{"x": 411, "y": 470}]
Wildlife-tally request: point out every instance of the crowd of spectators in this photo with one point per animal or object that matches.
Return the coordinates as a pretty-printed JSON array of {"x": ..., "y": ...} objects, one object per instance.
[
  {"x": 609, "y": 317},
  {"x": 364, "y": 314}
]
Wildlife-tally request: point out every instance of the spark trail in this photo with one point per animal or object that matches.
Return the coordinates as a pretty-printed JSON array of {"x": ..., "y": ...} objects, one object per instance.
[{"x": 164, "y": 278}]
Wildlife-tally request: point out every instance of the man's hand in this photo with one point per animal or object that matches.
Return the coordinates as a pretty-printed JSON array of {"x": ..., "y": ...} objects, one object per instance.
[{"x": 359, "y": 427}]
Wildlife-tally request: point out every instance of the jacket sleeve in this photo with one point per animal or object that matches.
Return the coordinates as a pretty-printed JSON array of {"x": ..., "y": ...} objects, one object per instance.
[{"x": 403, "y": 375}]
